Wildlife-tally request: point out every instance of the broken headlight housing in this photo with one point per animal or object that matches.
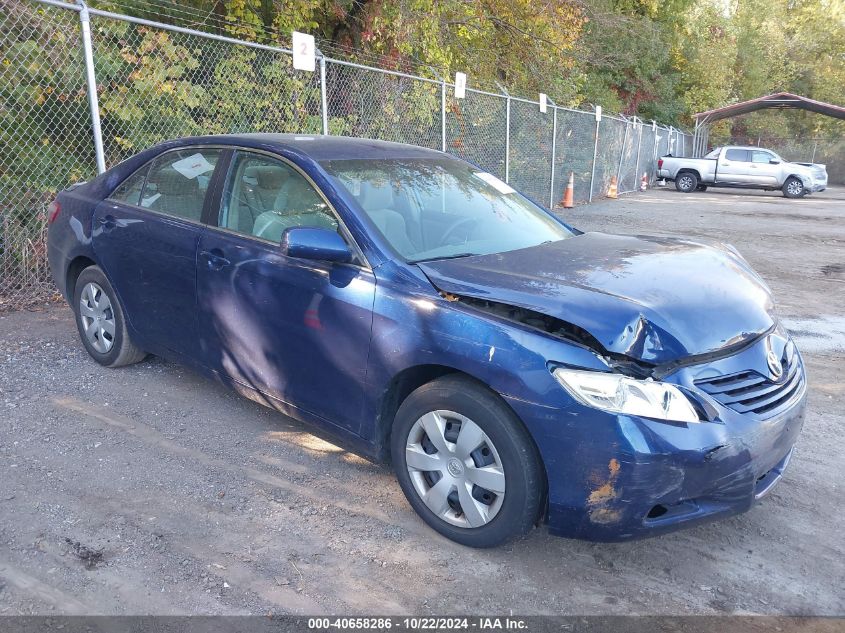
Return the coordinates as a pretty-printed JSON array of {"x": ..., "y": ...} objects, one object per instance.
[{"x": 620, "y": 394}]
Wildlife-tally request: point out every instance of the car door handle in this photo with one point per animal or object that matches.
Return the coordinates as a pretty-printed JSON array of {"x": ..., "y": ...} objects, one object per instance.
[
  {"x": 215, "y": 259},
  {"x": 107, "y": 222}
]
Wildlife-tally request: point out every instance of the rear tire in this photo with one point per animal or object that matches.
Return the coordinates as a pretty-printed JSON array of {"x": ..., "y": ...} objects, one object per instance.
[
  {"x": 100, "y": 321},
  {"x": 686, "y": 182},
  {"x": 459, "y": 434},
  {"x": 793, "y": 188}
]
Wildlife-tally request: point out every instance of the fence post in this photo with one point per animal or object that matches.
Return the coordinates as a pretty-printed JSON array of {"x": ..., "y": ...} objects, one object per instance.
[
  {"x": 91, "y": 80},
  {"x": 654, "y": 147},
  {"x": 323, "y": 99},
  {"x": 639, "y": 125},
  {"x": 443, "y": 116},
  {"x": 595, "y": 154},
  {"x": 508, "y": 139},
  {"x": 815, "y": 145},
  {"x": 554, "y": 149},
  {"x": 621, "y": 158}
]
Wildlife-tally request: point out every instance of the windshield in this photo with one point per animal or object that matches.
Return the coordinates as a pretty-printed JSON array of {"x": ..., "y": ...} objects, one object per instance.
[{"x": 442, "y": 207}]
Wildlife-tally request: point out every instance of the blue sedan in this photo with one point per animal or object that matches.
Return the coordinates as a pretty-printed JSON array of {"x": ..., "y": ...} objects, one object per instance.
[{"x": 513, "y": 369}]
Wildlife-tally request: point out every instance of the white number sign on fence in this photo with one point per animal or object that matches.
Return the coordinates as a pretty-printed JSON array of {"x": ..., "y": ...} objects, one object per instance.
[{"x": 304, "y": 52}]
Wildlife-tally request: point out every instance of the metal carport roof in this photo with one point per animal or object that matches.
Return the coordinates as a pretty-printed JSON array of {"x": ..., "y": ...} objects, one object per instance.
[
  {"x": 780, "y": 100},
  {"x": 777, "y": 101}
]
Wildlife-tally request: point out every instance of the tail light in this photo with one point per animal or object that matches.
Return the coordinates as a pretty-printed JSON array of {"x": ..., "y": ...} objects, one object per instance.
[
  {"x": 53, "y": 211},
  {"x": 660, "y": 163}
]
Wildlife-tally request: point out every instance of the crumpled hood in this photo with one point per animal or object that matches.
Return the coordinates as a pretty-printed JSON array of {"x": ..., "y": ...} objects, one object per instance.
[{"x": 651, "y": 299}]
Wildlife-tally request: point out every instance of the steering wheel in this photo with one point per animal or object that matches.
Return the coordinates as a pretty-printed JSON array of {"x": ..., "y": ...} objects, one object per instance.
[{"x": 455, "y": 226}]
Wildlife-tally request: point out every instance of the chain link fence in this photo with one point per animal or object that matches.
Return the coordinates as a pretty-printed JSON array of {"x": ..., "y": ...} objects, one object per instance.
[{"x": 155, "y": 81}]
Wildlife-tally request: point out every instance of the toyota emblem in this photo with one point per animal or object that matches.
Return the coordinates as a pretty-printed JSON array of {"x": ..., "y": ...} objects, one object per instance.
[{"x": 774, "y": 365}]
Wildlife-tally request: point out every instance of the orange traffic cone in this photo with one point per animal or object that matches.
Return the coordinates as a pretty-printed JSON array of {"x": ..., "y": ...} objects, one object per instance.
[
  {"x": 644, "y": 182},
  {"x": 611, "y": 190},
  {"x": 569, "y": 194}
]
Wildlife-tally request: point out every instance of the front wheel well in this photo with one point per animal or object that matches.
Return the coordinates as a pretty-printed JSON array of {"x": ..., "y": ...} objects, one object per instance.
[
  {"x": 400, "y": 387},
  {"x": 74, "y": 269}
]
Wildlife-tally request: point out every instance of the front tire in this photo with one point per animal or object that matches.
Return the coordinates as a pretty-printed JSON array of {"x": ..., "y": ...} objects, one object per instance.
[
  {"x": 100, "y": 321},
  {"x": 793, "y": 187},
  {"x": 686, "y": 182},
  {"x": 701, "y": 188},
  {"x": 466, "y": 463}
]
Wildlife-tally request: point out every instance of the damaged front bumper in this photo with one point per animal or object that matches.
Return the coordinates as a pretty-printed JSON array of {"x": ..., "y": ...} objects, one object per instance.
[{"x": 617, "y": 477}]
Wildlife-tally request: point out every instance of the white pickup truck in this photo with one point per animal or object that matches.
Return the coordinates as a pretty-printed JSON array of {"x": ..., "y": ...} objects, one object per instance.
[{"x": 743, "y": 167}]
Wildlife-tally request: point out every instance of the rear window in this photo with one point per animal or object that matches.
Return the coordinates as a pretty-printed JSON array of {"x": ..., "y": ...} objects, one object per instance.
[{"x": 130, "y": 190}]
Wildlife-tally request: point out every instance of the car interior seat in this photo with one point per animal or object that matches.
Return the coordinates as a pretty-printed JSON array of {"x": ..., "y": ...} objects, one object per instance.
[
  {"x": 378, "y": 202},
  {"x": 258, "y": 190},
  {"x": 296, "y": 204},
  {"x": 177, "y": 194}
]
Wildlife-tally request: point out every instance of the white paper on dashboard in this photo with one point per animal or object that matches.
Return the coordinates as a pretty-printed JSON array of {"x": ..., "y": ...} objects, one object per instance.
[
  {"x": 193, "y": 166},
  {"x": 499, "y": 185}
]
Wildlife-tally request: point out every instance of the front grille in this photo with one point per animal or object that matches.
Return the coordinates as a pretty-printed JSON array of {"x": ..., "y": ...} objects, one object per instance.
[{"x": 751, "y": 392}]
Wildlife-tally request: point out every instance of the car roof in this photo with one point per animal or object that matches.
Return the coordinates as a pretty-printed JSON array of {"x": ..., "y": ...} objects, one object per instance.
[
  {"x": 762, "y": 149},
  {"x": 319, "y": 147}
]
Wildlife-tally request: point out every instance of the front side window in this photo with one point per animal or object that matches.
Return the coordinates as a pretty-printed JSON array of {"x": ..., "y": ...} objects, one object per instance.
[
  {"x": 443, "y": 207},
  {"x": 264, "y": 197},
  {"x": 177, "y": 182},
  {"x": 758, "y": 156},
  {"x": 739, "y": 155}
]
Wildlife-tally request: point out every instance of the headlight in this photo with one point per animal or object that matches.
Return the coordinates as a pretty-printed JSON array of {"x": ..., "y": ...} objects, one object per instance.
[{"x": 619, "y": 394}]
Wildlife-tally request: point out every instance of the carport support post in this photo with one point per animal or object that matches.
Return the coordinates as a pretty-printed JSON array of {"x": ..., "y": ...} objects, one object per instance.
[
  {"x": 323, "y": 98},
  {"x": 91, "y": 80},
  {"x": 595, "y": 154}
]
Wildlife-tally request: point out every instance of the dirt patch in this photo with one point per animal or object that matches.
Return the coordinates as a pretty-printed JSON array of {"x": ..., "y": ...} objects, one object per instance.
[{"x": 91, "y": 558}]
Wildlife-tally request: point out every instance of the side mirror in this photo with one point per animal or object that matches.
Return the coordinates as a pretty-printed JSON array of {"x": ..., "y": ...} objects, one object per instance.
[
  {"x": 774, "y": 161},
  {"x": 318, "y": 244}
]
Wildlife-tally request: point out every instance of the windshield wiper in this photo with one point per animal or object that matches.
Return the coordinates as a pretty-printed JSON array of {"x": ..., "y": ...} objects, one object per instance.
[{"x": 439, "y": 257}]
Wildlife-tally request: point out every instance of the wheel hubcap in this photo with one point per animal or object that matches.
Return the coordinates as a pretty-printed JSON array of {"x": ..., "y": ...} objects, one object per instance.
[
  {"x": 455, "y": 469},
  {"x": 795, "y": 188},
  {"x": 686, "y": 183},
  {"x": 97, "y": 316}
]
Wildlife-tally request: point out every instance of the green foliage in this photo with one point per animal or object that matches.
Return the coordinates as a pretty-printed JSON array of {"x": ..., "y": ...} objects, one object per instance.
[{"x": 660, "y": 59}]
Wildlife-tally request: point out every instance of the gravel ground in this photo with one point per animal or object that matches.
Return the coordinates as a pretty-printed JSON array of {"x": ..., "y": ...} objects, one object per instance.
[{"x": 152, "y": 490}]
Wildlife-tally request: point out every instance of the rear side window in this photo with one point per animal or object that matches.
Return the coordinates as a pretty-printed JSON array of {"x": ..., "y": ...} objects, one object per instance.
[
  {"x": 130, "y": 190},
  {"x": 740, "y": 155},
  {"x": 178, "y": 181}
]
